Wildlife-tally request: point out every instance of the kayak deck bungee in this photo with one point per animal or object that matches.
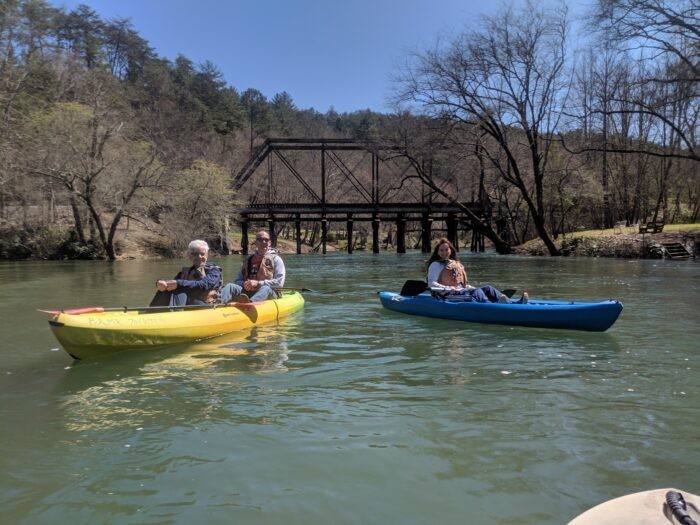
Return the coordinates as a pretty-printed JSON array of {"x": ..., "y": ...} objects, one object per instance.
[
  {"x": 572, "y": 315},
  {"x": 97, "y": 331}
]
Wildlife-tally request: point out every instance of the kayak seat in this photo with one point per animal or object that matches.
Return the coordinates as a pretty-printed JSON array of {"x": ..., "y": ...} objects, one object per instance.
[{"x": 451, "y": 297}]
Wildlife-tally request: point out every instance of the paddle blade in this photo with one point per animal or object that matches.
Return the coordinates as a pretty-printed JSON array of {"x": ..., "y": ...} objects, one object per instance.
[{"x": 413, "y": 288}]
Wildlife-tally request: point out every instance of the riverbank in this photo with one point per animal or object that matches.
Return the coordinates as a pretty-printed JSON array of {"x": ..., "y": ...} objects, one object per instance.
[
  {"x": 624, "y": 242},
  {"x": 141, "y": 242}
]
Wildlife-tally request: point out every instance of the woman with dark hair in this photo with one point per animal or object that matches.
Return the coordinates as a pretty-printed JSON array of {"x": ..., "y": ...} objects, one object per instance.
[{"x": 446, "y": 275}]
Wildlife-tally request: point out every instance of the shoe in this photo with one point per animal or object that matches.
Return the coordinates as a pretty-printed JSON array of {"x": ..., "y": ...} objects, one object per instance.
[
  {"x": 241, "y": 298},
  {"x": 503, "y": 299},
  {"x": 524, "y": 299}
]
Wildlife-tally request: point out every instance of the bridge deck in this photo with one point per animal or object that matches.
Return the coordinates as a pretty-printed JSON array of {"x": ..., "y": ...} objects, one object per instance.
[{"x": 340, "y": 211}]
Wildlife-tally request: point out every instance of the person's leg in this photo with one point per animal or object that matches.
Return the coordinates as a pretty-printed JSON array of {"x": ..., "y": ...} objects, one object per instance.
[
  {"x": 479, "y": 296},
  {"x": 178, "y": 298},
  {"x": 492, "y": 294},
  {"x": 160, "y": 299},
  {"x": 264, "y": 292},
  {"x": 229, "y": 291}
]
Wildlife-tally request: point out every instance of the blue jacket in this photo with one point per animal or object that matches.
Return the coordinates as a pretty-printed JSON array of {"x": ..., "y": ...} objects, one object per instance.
[{"x": 197, "y": 282}]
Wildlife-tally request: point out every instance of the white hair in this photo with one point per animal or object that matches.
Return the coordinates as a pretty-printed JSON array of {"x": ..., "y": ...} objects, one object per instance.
[{"x": 196, "y": 245}]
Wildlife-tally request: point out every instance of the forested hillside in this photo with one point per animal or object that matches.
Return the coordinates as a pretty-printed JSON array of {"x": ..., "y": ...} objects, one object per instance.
[{"x": 97, "y": 132}]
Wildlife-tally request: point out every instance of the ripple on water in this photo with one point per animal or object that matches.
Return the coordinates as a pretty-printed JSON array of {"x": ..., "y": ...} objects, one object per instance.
[{"x": 422, "y": 420}]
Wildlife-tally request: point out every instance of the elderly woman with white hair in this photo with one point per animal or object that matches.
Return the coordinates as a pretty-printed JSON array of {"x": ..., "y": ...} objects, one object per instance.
[{"x": 196, "y": 284}]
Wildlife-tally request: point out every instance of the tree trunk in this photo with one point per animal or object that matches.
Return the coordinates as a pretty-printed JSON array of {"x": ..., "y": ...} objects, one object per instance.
[{"x": 77, "y": 219}]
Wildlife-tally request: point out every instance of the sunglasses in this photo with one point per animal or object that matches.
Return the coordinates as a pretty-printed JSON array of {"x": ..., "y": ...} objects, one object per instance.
[{"x": 266, "y": 239}]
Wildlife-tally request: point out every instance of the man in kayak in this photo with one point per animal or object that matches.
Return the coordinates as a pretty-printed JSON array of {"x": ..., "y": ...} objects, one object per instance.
[
  {"x": 261, "y": 275},
  {"x": 447, "y": 276},
  {"x": 197, "y": 284}
]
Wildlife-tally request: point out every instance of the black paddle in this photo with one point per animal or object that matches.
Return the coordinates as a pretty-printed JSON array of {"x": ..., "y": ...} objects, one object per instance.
[{"x": 411, "y": 288}]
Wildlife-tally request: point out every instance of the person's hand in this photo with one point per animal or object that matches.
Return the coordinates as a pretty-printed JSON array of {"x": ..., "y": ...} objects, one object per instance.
[
  {"x": 250, "y": 285},
  {"x": 164, "y": 285}
]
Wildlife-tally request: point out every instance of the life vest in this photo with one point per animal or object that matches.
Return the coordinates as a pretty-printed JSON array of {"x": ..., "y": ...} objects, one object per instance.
[
  {"x": 263, "y": 271},
  {"x": 191, "y": 273},
  {"x": 453, "y": 274}
]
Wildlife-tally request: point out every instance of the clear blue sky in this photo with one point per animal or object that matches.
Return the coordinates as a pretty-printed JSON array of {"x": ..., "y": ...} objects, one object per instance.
[{"x": 339, "y": 53}]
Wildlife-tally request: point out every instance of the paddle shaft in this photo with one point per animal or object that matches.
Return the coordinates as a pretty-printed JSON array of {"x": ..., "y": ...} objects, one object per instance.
[
  {"x": 308, "y": 290},
  {"x": 412, "y": 288},
  {"x": 98, "y": 309}
]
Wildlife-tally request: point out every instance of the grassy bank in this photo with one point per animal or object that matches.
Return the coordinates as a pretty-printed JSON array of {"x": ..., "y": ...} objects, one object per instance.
[{"x": 624, "y": 242}]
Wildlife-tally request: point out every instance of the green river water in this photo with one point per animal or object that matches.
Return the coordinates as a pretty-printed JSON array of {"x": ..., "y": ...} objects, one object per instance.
[{"x": 347, "y": 413}]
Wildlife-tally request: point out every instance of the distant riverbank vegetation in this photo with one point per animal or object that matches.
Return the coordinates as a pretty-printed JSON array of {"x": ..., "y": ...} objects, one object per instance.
[{"x": 101, "y": 138}]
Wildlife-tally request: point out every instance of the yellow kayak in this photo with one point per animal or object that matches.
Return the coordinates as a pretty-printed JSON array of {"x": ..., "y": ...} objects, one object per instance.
[{"x": 92, "y": 332}]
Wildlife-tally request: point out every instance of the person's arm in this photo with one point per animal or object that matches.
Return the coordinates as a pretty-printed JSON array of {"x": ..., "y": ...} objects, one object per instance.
[
  {"x": 279, "y": 274},
  {"x": 168, "y": 285},
  {"x": 239, "y": 278},
  {"x": 210, "y": 281},
  {"x": 434, "y": 271}
]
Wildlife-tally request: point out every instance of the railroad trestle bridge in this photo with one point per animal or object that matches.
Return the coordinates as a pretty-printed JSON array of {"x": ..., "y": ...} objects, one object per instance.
[{"x": 344, "y": 182}]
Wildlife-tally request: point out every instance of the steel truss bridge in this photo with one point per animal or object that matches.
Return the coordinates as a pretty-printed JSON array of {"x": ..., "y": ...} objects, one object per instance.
[{"x": 290, "y": 180}]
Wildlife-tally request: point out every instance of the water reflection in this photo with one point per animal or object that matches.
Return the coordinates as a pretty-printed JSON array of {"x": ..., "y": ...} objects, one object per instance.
[{"x": 181, "y": 385}]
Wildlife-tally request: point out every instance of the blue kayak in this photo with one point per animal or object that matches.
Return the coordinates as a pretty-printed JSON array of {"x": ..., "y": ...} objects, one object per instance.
[{"x": 572, "y": 315}]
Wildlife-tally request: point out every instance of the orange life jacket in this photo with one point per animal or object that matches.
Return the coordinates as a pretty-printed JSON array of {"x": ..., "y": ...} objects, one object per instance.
[
  {"x": 262, "y": 271},
  {"x": 453, "y": 274}
]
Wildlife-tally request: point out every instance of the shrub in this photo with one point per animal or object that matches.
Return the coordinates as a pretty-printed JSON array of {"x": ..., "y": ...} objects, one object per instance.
[{"x": 45, "y": 242}]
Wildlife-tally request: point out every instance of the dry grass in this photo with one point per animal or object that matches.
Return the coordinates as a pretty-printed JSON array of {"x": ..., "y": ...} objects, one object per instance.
[
  {"x": 632, "y": 230},
  {"x": 616, "y": 242}
]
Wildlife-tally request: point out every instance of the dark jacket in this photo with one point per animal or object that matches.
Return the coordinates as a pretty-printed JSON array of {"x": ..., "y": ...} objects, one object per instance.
[{"x": 199, "y": 282}]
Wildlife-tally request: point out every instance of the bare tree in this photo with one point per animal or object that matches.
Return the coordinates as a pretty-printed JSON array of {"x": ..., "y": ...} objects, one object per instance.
[
  {"x": 661, "y": 27},
  {"x": 85, "y": 149},
  {"x": 508, "y": 79},
  {"x": 423, "y": 144},
  {"x": 666, "y": 35}
]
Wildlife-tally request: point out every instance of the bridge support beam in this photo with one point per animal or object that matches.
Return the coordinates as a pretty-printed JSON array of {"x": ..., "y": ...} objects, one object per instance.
[
  {"x": 297, "y": 233},
  {"x": 271, "y": 230},
  {"x": 324, "y": 234},
  {"x": 400, "y": 234},
  {"x": 452, "y": 230},
  {"x": 477, "y": 240},
  {"x": 244, "y": 236},
  {"x": 375, "y": 233},
  {"x": 426, "y": 224},
  {"x": 349, "y": 227}
]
